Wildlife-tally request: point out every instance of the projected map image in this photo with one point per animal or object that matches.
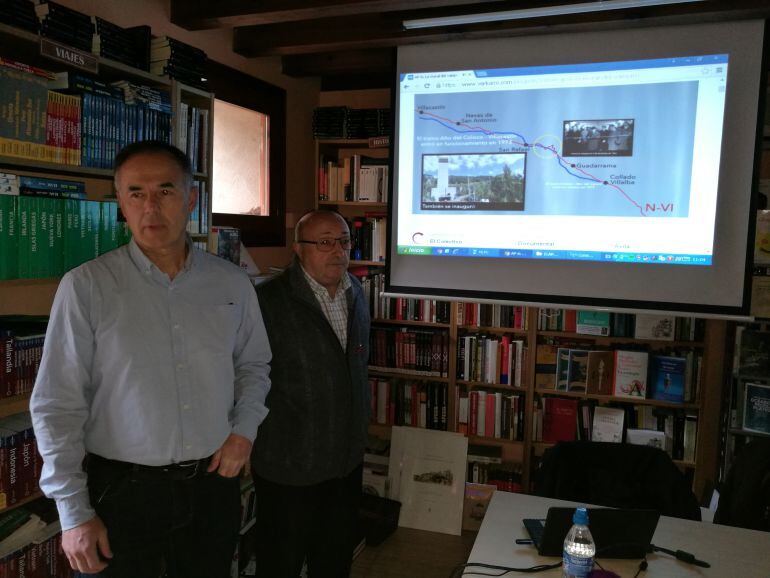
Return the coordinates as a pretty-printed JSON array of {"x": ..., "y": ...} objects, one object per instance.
[
  {"x": 623, "y": 150},
  {"x": 490, "y": 182}
]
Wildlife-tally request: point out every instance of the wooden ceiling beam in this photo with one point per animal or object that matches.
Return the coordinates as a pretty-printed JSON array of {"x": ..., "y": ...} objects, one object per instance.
[
  {"x": 378, "y": 60},
  {"x": 204, "y": 14}
]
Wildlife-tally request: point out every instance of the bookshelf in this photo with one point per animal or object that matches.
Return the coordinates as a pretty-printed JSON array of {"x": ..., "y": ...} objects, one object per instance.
[
  {"x": 121, "y": 123},
  {"x": 527, "y": 450}
]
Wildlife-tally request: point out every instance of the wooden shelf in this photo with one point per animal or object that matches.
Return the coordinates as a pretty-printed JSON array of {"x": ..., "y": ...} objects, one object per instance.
[
  {"x": 406, "y": 375},
  {"x": 366, "y": 263},
  {"x": 487, "y": 440},
  {"x": 500, "y": 330},
  {"x": 351, "y": 142},
  {"x": 27, "y": 296},
  {"x": 483, "y": 384},
  {"x": 14, "y": 405},
  {"x": 410, "y": 323},
  {"x": 36, "y": 496},
  {"x": 618, "y": 399},
  {"x": 44, "y": 167},
  {"x": 362, "y": 204},
  {"x": 26, "y": 48},
  {"x": 655, "y": 343}
]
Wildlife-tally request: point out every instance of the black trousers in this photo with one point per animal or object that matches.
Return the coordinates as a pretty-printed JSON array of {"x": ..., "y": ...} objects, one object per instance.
[
  {"x": 156, "y": 520},
  {"x": 315, "y": 523}
]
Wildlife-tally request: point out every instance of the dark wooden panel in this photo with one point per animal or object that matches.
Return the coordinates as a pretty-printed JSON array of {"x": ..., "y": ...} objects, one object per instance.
[{"x": 204, "y": 14}]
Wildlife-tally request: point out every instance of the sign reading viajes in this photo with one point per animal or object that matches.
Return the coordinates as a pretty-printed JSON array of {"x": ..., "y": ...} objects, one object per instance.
[{"x": 68, "y": 55}]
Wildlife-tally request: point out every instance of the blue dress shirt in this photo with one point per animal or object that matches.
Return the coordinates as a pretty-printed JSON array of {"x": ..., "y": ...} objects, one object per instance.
[{"x": 140, "y": 368}]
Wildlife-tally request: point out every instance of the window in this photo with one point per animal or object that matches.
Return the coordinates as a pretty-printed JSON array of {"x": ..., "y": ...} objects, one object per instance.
[
  {"x": 253, "y": 198},
  {"x": 241, "y": 160}
]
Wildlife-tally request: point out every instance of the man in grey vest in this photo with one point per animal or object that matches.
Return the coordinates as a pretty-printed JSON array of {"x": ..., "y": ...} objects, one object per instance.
[{"x": 307, "y": 459}]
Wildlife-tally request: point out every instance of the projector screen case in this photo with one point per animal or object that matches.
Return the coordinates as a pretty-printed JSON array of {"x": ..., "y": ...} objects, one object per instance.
[{"x": 719, "y": 288}]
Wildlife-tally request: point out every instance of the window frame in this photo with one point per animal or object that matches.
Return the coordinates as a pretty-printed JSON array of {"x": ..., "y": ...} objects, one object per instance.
[{"x": 241, "y": 89}]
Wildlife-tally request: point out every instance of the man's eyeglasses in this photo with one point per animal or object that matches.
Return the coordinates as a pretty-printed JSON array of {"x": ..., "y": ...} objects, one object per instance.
[{"x": 326, "y": 244}]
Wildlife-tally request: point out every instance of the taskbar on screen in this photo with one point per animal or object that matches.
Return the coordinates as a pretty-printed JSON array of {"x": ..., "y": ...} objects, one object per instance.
[{"x": 659, "y": 258}]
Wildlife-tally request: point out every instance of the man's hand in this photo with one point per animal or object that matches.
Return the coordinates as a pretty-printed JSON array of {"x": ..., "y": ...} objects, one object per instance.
[
  {"x": 84, "y": 544},
  {"x": 230, "y": 458}
]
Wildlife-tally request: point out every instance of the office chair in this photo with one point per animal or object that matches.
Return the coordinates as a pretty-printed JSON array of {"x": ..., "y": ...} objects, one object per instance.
[{"x": 616, "y": 475}]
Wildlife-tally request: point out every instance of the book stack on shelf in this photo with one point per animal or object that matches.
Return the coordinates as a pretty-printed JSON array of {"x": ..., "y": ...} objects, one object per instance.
[
  {"x": 174, "y": 59},
  {"x": 30, "y": 542},
  {"x": 19, "y": 14},
  {"x": 131, "y": 46},
  {"x": 342, "y": 122},
  {"x": 225, "y": 242},
  {"x": 65, "y": 25},
  {"x": 369, "y": 238},
  {"x": 353, "y": 178},
  {"x": 21, "y": 349},
  {"x": 476, "y": 315},
  {"x": 494, "y": 360},
  {"x": 422, "y": 352},
  {"x": 648, "y": 384},
  {"x": 383, "y": 308},
  {"x": 48, "y": 226},
  {"x": 198, "y": 224},
  {"x": 408, "y": 402},
  {"x": 491, "y": 414},
  {"x": 192, "y": 124}
]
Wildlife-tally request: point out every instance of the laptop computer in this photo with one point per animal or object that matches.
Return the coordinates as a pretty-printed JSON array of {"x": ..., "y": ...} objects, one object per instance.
[{"x": 618, "y": 533}]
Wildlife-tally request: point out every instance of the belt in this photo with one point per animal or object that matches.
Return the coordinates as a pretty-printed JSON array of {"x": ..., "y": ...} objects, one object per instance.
[{"x": 179, "y": 471}]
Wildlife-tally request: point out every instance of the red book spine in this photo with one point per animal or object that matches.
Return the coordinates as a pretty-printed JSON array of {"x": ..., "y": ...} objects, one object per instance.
[{"x": 489, "y": 417}]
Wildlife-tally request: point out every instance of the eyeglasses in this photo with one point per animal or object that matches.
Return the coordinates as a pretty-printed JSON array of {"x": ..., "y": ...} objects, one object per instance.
[{"x": 326, "y": 244}]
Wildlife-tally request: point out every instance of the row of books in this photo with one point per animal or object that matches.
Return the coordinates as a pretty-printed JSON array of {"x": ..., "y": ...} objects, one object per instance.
[
  {"x": 83, "y": 122},
  {"x": 402, "y": 308},
  {"x": 369, "y": 235},
  {"x": 673, "y": 377},
  {"x": 472, "y": 314},
  {"x": 491, "y": 359},
  {"x": 344, "y": 122},
  {"x": 198, "y": 224},
  {"x": 491, "y": 414},
  {"x": 353, "y": 178},
  {"x": 638, "y": 326},
  {"x": 21, "y": 349},
  {"x": 19, "y": 14},
  {"x": 42, "y": 557},
  {"x": 417, "y": 352},
  {"x": 409, "y": 403},
  {"x": 175, "y": 59},
  {"x": 20, "y": 463},
  {"x": 486, "y": 466},
  {"x": 561, "y": 419},
  {"x": 192, "y": 124},
  {"x": 44, "y": 237}
]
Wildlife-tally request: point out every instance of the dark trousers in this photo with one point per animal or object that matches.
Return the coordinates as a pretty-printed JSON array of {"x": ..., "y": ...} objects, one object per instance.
[
  {"x": 155, "y": 521},
  {"x": 315, "y": 523}
]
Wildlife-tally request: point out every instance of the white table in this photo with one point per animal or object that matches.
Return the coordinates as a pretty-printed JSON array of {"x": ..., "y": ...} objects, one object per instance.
[{"x": 730, "y": 551}]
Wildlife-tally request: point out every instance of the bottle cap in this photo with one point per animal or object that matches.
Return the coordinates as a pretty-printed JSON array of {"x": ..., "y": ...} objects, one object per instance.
[{"x": 580, "y": 517}]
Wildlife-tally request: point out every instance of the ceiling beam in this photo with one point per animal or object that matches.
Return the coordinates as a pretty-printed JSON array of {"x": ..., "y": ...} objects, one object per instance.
[
  {"x": 369, "y": 31},
  {"x": 205, "y": 14}
]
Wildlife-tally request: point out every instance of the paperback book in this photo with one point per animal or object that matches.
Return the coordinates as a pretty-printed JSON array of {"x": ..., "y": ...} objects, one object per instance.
[{"x": 667, "y": 378}]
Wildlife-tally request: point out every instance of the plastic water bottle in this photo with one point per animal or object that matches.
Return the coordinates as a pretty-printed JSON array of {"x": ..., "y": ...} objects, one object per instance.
[{"x": 579, "y": 547}]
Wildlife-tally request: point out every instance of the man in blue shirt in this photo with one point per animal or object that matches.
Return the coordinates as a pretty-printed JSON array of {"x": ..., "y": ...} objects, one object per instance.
[{"x": 155, "y": 370}]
